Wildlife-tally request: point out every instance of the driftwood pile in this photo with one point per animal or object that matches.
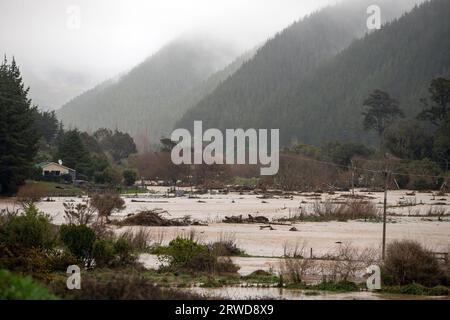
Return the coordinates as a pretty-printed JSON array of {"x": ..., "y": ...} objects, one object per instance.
[
  {"x": 154, "y": 218},
  {"x": 250, "y": 219}
]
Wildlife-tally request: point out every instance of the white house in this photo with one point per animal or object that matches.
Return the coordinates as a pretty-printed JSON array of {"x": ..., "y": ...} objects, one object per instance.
[{"x": 55, "y": 169}]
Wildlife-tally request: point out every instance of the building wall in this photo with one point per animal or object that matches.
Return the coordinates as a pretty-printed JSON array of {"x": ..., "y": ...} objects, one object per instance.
[{"x": 54, "y": 167}]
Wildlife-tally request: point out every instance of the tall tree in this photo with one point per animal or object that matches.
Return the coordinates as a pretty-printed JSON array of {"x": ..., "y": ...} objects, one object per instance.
[
  {"x": 441, "y": 147},
  {"x": 73, "y": 152},
  {"x": 118, "y": 144},
  {"x": 438, "y": 109},
  {"x": 46, "y": 124},
  {"x": 382, "y": 111},
  {"x": 408, "y": 140},
  {"x": 18, "y": 137}
]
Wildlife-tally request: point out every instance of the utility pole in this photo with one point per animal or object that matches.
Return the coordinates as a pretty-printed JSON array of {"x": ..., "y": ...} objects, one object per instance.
[
  {"x": 353, "y": 178},
  {"x": 386, "y": 179}
]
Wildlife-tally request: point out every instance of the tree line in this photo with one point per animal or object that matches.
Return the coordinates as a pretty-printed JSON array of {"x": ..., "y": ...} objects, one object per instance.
[{"x": 29, "y": 136}]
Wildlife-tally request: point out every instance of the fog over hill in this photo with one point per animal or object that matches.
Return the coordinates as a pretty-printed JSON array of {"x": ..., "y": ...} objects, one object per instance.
[
  {"x": 274, "y": 89},
  {"x": 152, "y": 96}
]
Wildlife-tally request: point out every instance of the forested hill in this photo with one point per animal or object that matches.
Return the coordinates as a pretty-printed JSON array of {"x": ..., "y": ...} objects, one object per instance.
[
  {"x": 400, "y": 59},
  {"x": 152, "y": 96},
  {"x": 270, "y": 90}
]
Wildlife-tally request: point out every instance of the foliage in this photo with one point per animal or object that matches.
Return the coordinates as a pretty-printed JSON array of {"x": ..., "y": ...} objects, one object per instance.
[
  {"x": 441, "y": 147},
  {"x": 118, "y": 144},
  {"x": 31, "y": 193},
  {"x": 18, "y": 137},
  {"x": 46, "y": 124},
  {"x": 439, "y": 110},
  {"x": 113, "y": 253},
  {"x": 32, "y": 229},
  {"x": 382, "y": 111},
  {"x": 408, "y": 262},
  {"x": 103, "y": 252},
  {"x": 182, "y": 253},
  {"x": 129, "y": 177},
  {"x": 108, "y": 176},
  {"x": 14, "y": 287},
  {"x": 417, "y": 289},
  {"x": 343, "y": 153},
  {"x": 73, "y": 152},
  {"x": 138, "y": 240},
  {"x": 340, "y": 286},
  {"x": 318, "y": 92},
  {"x": 79, "y": 239},
  {"x": 409, "y": 141},
  {"x": 78, "y": 214},
  {"x": 119, "y": 286},
  {"x": 107, "y": 203}
]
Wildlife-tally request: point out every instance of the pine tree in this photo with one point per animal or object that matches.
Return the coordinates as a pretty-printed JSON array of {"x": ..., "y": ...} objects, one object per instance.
[
  {"x": 73, "y": 152},
  {"x": 18, "y": 137}
]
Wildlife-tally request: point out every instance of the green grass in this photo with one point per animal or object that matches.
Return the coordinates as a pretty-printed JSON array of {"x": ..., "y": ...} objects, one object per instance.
[
  {"x": 53, "y": 189},
  {"x": 247, "y": 182},
  {"x": 340, "y": 286},
  {"x": 183, "y": 280},
  {"x": 261, "y": 277}
]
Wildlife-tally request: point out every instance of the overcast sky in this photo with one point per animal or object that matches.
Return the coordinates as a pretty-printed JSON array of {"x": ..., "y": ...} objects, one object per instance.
[{"x": 62, "y": 52}]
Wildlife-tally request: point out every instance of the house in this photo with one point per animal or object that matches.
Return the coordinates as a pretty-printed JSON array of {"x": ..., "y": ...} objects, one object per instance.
[{"x": 53, "y": 169}]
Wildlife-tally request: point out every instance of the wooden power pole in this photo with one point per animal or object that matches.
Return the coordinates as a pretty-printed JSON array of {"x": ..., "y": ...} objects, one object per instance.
[{"x": 386, "y": 180}]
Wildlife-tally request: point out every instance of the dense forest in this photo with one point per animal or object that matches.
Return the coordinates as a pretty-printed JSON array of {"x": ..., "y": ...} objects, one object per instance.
[
  {"x": 148, "y": 100},
  {"x": 311, "y": 79}
]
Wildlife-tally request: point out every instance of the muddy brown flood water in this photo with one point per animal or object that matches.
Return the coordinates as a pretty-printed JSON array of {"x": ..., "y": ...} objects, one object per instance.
[{"x": 408, "y": 222}]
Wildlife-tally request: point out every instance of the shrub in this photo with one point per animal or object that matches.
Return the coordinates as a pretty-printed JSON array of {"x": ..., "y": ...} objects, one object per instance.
[
  {"x": 79, "y": 239},
  {"x": 14, "y": 287},
  {"x": 31, "y": 193},
  {"x": 129, "y": 177},
  {"x": 139, "y": 240},
  {"x": 182, "y": 251},
  {"x": 418, "y": 290},
  {"x": 32, "y": 229},
  {"x": 408, "y": 262},
  {"x": 351, "y": 210},
  {"x": 226, "y": 246},
  {"x": 340, "y": 286},
  {"x": 33, "y": 260},
  {"x": 78, "y": 214},
  {"x": 103, "y": 253},
  {"x": 59, "y": 260},
  {"x": 123, "y": 250},
  {"x": 107, "y": 203},
  {"x": 190, "y": 255},
  {"x": 120, "y": 287}
]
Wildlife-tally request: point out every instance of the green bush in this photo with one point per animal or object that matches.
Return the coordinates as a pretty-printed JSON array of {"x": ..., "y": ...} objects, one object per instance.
[
  {"x": 79, "y": 239},
  {"x": 14, "y": 287},
  {"x": 182, "y": 251},
  {"x": 103, "y": 253},
  {"x": 123, "y": 250},
  {"x": 129, "y": 177},
  {"x": 32, "y": 229},
  {"x": 340, "y": 286},
  {"x": 187, "y": 254}
]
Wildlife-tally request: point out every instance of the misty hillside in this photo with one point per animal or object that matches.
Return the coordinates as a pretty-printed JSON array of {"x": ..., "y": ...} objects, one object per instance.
[
  {"x": 152, "y": 96},
  {"x": 400, "y": 59},
  {"x": 257, "y": 95}
]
